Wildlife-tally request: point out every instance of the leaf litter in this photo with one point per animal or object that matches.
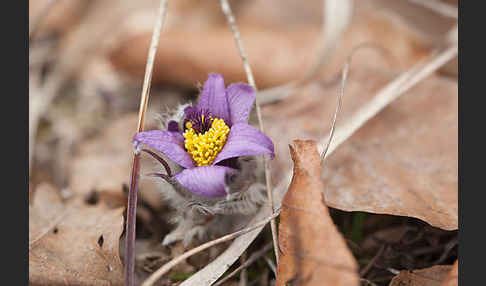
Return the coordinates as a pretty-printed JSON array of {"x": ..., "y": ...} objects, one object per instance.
[
  {"x": 384, "y": 148},
  {"x": 71, "y": 243}
]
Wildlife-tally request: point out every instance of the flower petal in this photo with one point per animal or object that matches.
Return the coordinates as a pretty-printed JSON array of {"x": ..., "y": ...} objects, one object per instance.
[
  {"x": 169, "y": 143},
  {"x": 245, "y": 140},
  {"x": 173, "y": 126},
  {"x": 208, "y": 181},
  {"x": 213, "y": 97},
  {"x": 240, "y": 99}
]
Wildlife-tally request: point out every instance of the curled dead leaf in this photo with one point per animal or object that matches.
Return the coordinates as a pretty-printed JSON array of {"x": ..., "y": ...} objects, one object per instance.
[{"x": 313, "y": 252}]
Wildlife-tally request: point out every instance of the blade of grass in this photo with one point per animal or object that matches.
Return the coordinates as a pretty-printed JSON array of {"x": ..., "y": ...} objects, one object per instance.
[{"x": 135, "y": 172}]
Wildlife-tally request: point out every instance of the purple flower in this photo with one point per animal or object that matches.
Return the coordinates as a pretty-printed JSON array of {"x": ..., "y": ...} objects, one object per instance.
[{"x": 210, "y": 137}]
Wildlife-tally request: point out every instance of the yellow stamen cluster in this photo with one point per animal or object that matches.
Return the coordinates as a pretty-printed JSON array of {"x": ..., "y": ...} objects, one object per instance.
[{"x": 205, "y": 147}]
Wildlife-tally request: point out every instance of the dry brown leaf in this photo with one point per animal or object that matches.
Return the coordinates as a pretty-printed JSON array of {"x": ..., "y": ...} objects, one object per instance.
[
  {"x": 179, "y": 62},
  {"x": 276, "y": 53},
  {"x": 55, "y": 16},
  {"x": 73, "y": 243},
  {"x": 453, "y": 276},
  {"x": 313, "y": 252},
  {"x": 402, "y": 162},
  {"x": 432, "y": 276},
  {"x": 102, "y": 164}
]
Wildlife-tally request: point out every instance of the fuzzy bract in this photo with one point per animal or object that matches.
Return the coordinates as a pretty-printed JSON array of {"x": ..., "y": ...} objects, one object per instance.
[{"x": 210, "y": 136}]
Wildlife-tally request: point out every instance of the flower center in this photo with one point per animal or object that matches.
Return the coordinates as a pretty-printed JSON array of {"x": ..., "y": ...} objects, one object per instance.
[{"x": 204, "y": 147}]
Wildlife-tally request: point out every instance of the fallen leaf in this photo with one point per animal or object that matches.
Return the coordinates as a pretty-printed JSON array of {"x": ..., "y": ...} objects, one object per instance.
[
  {"x": 59, "y": 17},
  {"x": 188, "y": 65},
  {"x": 313, "y": 252},
  {"x": 277, "y": 52},
  {"x": 73, "y": 243},
  {"x": 404, "y": 161},
  {"x": 401, "y": 162},
  {"x": 453, "y": 276},
  {"x": 102, "y": 164},
  {"x": 432, "y": 276}
]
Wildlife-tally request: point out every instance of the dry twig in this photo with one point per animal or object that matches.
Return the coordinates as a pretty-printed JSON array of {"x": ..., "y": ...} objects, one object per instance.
[
  {"x": 132, "y": 195},
  {"x": 338, "y": 107},
  {"x": 166, "y": 267},
  {"x": 254, "y": 257},
  {"x": 367, "y": 268},
  {"x": 344, "y": 76},
  {"x": 236, "y": 34}
]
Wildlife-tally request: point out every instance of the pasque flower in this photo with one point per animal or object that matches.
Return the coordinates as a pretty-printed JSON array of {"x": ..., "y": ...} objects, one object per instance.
[{"x": 210, "y": 136}]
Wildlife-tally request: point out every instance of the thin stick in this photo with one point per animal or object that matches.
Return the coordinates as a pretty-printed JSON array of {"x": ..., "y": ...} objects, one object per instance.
[
  {"x": 168, "y": 266},
  {"x": 150, "y": 64},
  {"x": 367, "y": 268},
  {"x": 271, "y": 265},
  {"x": 278, "y": 93},
  {"x": 338, "y": 107},
  {"x": 236, "y": 34},
  {"x": 254, "y": 257},
  {"x": 344, "y": 77},
  {"x": 135, "y": 174},
  {"x": 388, "y": 94}
]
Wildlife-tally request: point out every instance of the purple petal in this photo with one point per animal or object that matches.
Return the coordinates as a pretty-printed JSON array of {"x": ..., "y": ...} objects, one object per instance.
[
  {"x": 205, "y": 181},
  {"x": 169, "y": 143},
  {"x": 245, "y": 140},
  {"x": 173, "y": 126},
  {"x": 240, "y": 99},
  {"x": 213, "y": 97}
]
